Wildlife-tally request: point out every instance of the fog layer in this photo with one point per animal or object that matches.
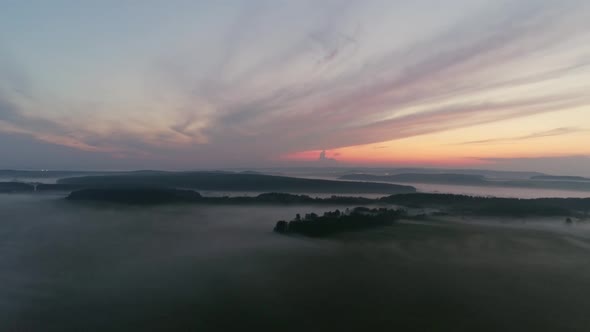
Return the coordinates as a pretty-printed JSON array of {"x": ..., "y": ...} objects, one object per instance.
[{"x": 68, "y": 267}]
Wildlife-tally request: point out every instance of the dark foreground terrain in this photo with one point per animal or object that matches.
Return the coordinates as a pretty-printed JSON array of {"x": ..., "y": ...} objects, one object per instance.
[{"x": 71, "y": 267}]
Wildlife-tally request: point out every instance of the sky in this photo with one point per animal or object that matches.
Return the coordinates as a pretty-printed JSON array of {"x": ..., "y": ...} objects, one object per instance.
[{"x": 251, "y": 83}]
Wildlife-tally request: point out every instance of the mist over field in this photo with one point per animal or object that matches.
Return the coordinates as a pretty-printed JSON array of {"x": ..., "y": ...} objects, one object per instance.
[{"x": 66, "y": 267}]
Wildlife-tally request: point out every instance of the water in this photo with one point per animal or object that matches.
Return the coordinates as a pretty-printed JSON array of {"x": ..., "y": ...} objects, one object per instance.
[{"x": 66, "y": 267}]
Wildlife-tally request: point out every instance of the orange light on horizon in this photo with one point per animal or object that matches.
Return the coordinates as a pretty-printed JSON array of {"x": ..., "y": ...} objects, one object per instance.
[{"x": 359, "y": 157}]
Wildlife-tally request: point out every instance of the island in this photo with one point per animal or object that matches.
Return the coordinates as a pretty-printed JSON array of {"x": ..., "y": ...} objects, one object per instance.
[{"x": 333, "y": 222}]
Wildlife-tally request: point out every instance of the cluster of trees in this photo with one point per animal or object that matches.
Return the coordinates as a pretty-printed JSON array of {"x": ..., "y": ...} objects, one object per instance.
[{"x": 359, "y": 218}]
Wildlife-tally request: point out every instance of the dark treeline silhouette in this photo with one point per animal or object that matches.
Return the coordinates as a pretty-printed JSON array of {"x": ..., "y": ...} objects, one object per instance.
[
  {"x": 455, "y": 204},
  {"x": 359, "y": 218},
  {"x": 226, "y": 181}
]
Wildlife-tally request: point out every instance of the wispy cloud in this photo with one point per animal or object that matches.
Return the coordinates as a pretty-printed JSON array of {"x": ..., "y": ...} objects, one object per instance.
[
  {"x": 270, "y": 84},
  {"x": 367, "y": 104},
  {"x": 547, "y": 133}
]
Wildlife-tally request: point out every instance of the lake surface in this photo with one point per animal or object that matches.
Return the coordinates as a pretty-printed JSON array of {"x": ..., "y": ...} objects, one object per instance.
[{"x": 67, "y": 267}]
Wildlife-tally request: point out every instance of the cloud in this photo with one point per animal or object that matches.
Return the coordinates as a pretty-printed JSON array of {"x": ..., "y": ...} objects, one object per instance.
[
  {"x": 324, "y": 159},
  {"x": 273, "y": 83},
  {"x": 16, "y": 119},
  {"x": 547, "y": 133},
  {"x": 346, "y": 110}
]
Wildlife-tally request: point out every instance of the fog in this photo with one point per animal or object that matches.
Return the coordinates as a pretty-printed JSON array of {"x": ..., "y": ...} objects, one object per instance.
[{"x": 96, "y": 268}]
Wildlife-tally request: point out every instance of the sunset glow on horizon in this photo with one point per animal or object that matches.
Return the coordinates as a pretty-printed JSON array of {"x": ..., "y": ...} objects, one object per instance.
[
  {"x": 203, "y": 84},
  {"x": 449, "y": 148}
]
